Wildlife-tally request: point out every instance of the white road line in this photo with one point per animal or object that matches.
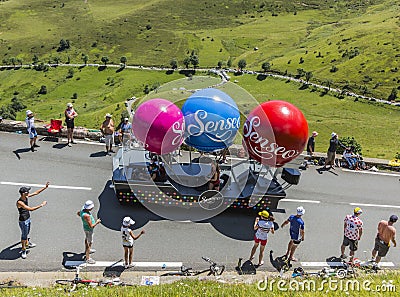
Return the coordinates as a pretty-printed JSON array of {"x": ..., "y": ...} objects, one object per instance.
[
  {"x": 375, "y": 205},
  {"x": 161, "y": 265},
  {"x": 335, "y": 264},
  {"x": 371, "y": 172},
  {"x": 41, "y": 186},
  {"x": 301, "y": 201}
]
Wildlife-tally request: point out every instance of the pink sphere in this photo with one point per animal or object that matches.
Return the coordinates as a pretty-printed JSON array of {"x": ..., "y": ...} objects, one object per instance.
[{"x": 159, "y": 125}]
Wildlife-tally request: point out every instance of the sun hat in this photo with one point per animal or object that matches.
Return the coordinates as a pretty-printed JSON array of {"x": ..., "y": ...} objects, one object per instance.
[
  {"x": 108, "y": 115},
  {"x": 28, "y": 112},
  {"x": 69, "y": 104},
  {"x": 301, "y": 211},
  {"x": 128, "y": 221},
  {"x": 315, "y": 133},
  {"x": 23, "y": 190},
  {"x": 333, "y": 134},
  {"x": 126, "y": 119},
  {"x": 393, "y": 218},
  {"x": 264, "y": 214},
  {"x": 88, "y": 204},
  {"x": 358, "y": 210}
]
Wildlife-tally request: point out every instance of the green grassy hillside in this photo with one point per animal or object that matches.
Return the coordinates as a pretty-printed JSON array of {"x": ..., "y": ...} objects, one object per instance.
[{"x": 359, "y": 39}]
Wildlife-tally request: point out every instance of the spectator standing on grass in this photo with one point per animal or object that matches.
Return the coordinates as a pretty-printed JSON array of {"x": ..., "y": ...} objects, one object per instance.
[
  {"x": 128, "y": 239},
  {"x": 386, "y": 234},
  {"x": 262, "y": 225},
  {"x": 352, "y": 233},
  {"x": 107, "y": 128},
  {"x": 296, "y": 232},
  {"x": 311, "y": 144},
  {"x": 89, "y": 223},
  {"x": 70, "y": 115},
  {"x": 331, "y": 155},
  {"x": 30, "y": 126},
  {"x": 25, "y": 218}
]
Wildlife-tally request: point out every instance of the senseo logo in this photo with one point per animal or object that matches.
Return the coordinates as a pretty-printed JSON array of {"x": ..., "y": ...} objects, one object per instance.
[
  {"x": 261, "y": 146},
  {"x": 219, "y": 131},
  {"x": 178, "y": 128}
]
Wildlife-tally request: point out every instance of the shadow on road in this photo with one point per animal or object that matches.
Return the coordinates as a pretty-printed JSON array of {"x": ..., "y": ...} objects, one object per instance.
[
  {"x": 60, "y": 145},
  {"x": 322, "y": 170},
  {"x": 232, "y": 223},
  {"x": 11, "y": 252},
  {"x": 98, "y": 154},
  {"x": 71, "y": 256},
  {"x": 21, "y": 151}
]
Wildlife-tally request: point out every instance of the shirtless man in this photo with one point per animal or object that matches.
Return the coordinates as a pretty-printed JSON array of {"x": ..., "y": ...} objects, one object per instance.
[
  {"x": 386, "y": 234},
  {"x": 107, "y": 128}
]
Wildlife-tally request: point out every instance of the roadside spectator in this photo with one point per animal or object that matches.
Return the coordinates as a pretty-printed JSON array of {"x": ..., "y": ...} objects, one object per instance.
[
  {"x": 311, "y": 144},
  {"x": 262, "y": 225},
  {"x": 30, "y": 125},
  {"x": 89, "y": 223},
  {"x": 70, "y": 115},
  {"x": 1, "y": 119},
  {"x": 107, "y": 128},
  {"x": 25, "y": 217},
  {"x": 128, "y": 239},
  {"x": 333, "y": 143},
  {"x": 296, "y": 232},
  {"x": 352, "y": 233},
  {"x": 386, "y": 234},
  {"x": 351, "y": 158},
  {"x": 124, "y": 130},
  {"x": 154, "y": 171}
]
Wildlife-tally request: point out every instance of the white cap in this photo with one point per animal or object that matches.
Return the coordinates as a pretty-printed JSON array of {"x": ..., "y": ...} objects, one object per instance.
[
  {"x": 108, "y": 115},
  {"x": 300, "y": 211},
  {"x": 333, "y": 134},
  {"x": 88, "y": 204},
  {"x": 126, "y": 119},
  {"x": 28, "y": 112},
  {"x": 128, "y": 221},
  {"x": 69, "y": 105}
]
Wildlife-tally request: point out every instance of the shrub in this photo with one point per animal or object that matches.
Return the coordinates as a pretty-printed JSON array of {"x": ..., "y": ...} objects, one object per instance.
[
  {"x": 43, "y": 90},
  {"x": 349, "y": 141}
]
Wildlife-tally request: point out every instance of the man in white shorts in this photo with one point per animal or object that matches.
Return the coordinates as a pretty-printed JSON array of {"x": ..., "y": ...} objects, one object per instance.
[
  {"x": 30, "y": 126},
  {"x": 107, "y": 128}
]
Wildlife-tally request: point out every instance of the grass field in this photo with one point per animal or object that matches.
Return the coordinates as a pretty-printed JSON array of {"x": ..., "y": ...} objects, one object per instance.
[
  {"x": 359, "y": 38},
  {"x": 377, "y": 285}
]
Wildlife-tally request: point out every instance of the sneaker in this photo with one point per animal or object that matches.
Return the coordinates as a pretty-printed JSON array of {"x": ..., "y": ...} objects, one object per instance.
[
  {"x": 111, "y": 151},
  {"x": 126, "y": 266},
  {"x": 23, "y": 254},
  {"x": 69, "y": 144},
  {"x": 131, "y": 265},
  {"x": 261, "y": 263},
  {"x": 90, "y": 261},
  {"x": 31, "y": 245},
  {"x": 343, "y": 256},
  {"x": 73, "y": 142},
  {"x": 92, "y": 251},
  {"x": 32, "y": 149},
  {"x": 293, "y": 259}
]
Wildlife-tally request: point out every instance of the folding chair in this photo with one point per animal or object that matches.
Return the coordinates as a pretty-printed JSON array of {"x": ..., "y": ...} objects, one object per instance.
[{"x": 54, "y": 129}]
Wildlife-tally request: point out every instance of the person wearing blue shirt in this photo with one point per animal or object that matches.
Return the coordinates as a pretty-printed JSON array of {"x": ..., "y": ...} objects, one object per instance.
[{"x": 296, "y": 232}]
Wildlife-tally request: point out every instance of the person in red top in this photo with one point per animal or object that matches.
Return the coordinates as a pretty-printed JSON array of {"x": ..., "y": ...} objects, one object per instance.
[
  {"x": 352, "y": 233},
  {"x": 386, "y": 234}
]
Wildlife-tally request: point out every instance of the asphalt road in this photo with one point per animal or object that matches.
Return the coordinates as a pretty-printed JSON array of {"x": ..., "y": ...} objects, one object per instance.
[{"x": 85, "y": 173}]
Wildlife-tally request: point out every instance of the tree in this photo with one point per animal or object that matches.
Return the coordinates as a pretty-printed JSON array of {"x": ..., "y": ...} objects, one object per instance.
[
  {"x": 13, "y": 61},
  {"x": 266, "y": 66},
  {"x": 43, "y": 90},
  {"x": 56, "y": 60},
  {"x": 186, "y": 62},
  {"x": 393, "y": 95},
  {"x": 85, "y": 58},
  {"x": 70, "y": 73},
  {"x": 123, "y": 60},
  {"x": 229, "y": 63},
  {"x": 219, "y": 65},
  {"x": 309, "y": 75},
  {"x": 301, "y": 60},
  {"x": 242, "y": 64},
  {"x": 300, "y": 72},
  {"x": 328, "y": 83},
  {"x": 35, "y": 59},
  {"x": 194, "y": 60},
  {"x": 105, "y": 60},
  {"x": 64, "y": 45},
  {"x": 173, "y": 63},
  {"x": 347, "y": 142}
]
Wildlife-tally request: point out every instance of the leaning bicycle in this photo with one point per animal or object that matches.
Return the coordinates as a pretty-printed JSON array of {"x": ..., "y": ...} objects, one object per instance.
[
  {"x": 73, "y": 284},
  {"x": 214, "y": 269}
]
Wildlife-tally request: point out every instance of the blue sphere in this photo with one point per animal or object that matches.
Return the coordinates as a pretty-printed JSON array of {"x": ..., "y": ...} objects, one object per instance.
[{"x": 212, "y": 120}]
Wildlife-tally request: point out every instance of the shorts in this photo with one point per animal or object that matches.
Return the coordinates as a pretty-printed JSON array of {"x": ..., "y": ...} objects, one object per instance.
[
  {"x": 25, "y": 227},
  {"x": 296, "y": 242},
  {"x": 108, "y": 139},
  {"x": 70, "y": 124},
  {"x": 89, "y": 236},
  {"x": 127, "y": 245},
  {"x": 330, "y": 157},
  {"x": 350, "y": 242},
  {"x": 295, "y": 238},
  {"x": 381, "y": 247},
  {"x": 262, "y": 241},
  {"x": 32, "y": 133}
]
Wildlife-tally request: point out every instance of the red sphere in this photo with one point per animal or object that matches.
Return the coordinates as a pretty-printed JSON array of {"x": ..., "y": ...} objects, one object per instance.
[{"x": 275, "y": 133}]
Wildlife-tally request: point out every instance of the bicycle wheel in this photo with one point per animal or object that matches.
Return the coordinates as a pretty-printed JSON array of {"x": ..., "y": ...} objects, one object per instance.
[
  {"x": 69, "y": 285},
  {"x": 220, "y": 269},
  {"x": 172, "y": 274}
]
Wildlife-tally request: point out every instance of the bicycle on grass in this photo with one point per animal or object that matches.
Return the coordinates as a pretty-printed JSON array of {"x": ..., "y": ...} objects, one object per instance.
[
  {"x": 214, "y": 270},
  {"x": 71, "y": 285}
]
